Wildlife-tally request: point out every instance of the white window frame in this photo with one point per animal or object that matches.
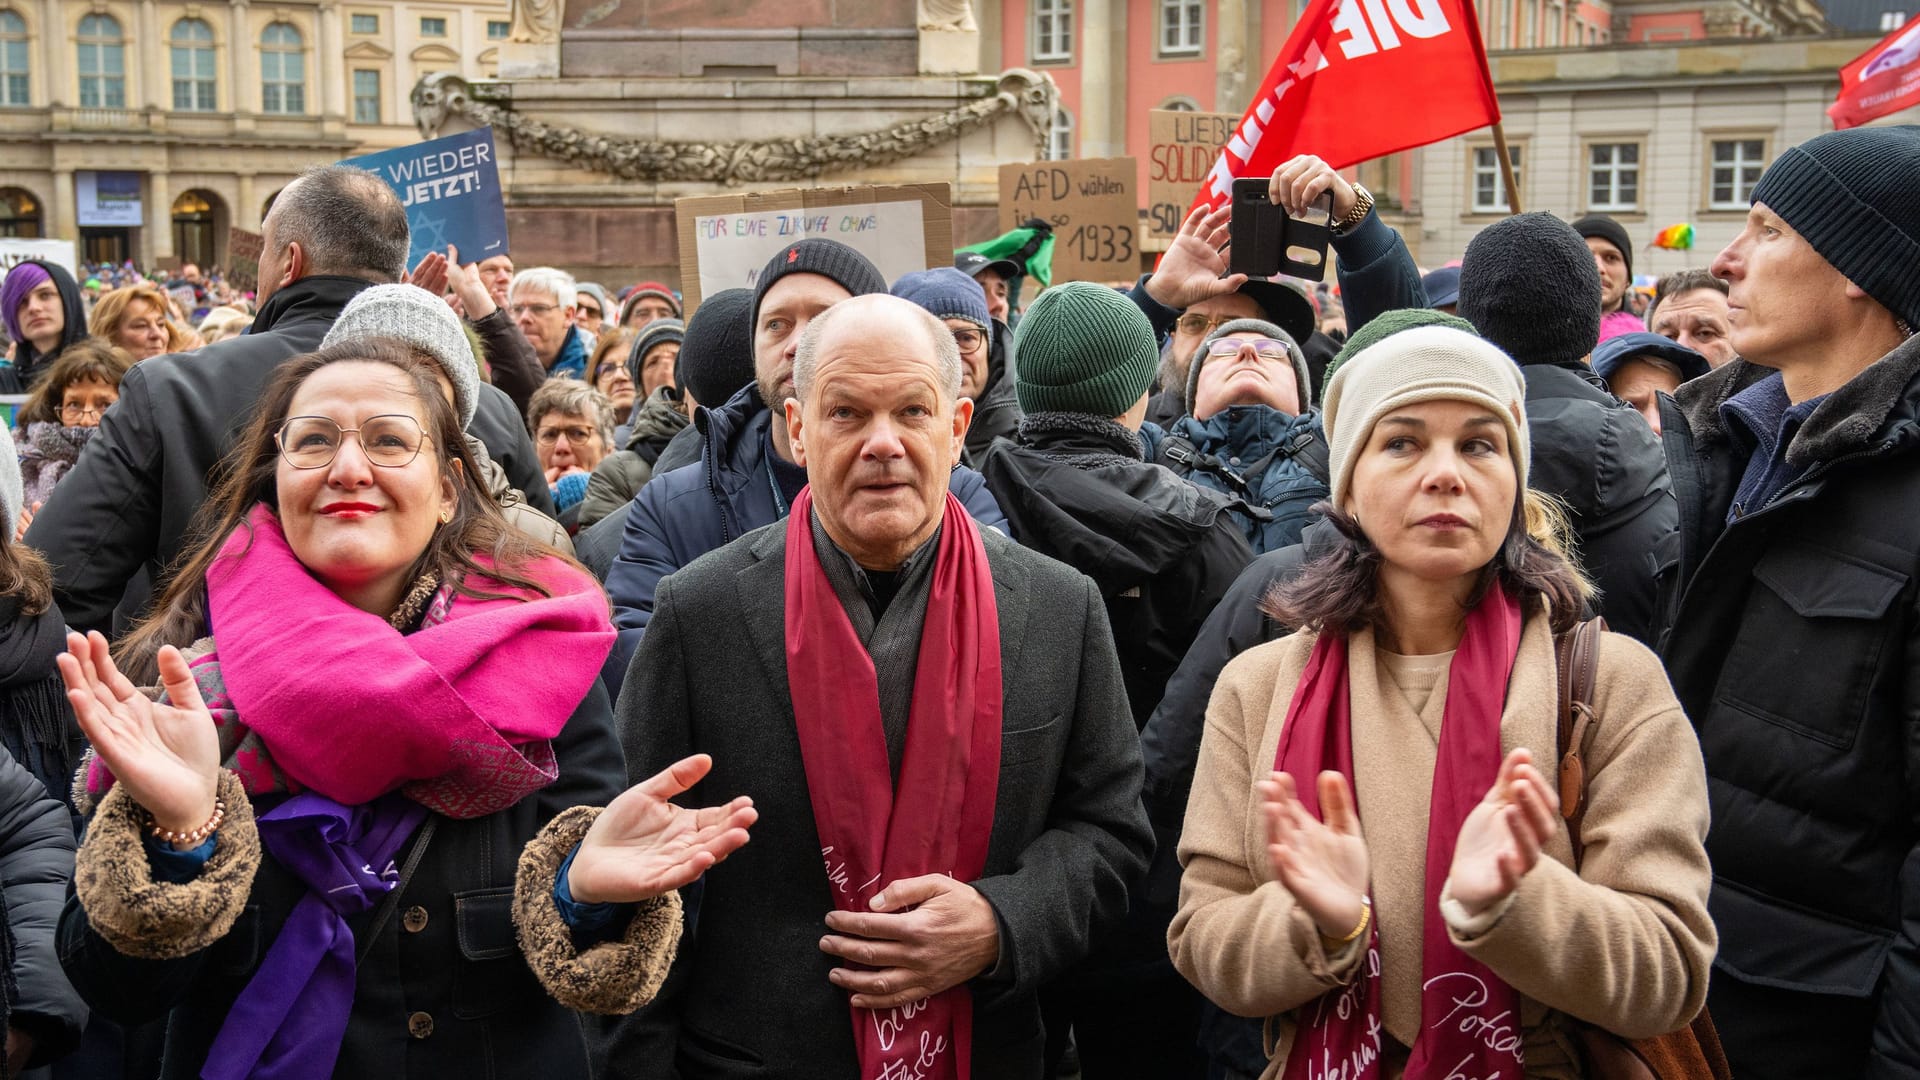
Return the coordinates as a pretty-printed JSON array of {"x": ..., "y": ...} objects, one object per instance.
[
  {"x": 201, "y": 82},
  {"x": 1621, "y": 179},
  {"x": 283, "y": 92},
  {"x": 1892, "y": 20},
  {"x": 1479, "y": 167},
  {"x": 378, "y": 97},
  {"x": 505, "y": 27},
  {"x": 1739, "y": 174},
  {"x": 441, "y": 20},
  {"x": 1050, "y": 30},
  {"x": 354, "y": 19},
  {"x": 16, "y": 40},
  {"x": 93, "y": 51},
  {"x": 1183, "y": 27},
  {"x": 1060, "y": 140}
]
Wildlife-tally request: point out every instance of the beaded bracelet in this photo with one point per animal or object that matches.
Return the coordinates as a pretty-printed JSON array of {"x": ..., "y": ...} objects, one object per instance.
[
  {"x": 1366, "y": 918},
  {"x": 195, "y": 837}
]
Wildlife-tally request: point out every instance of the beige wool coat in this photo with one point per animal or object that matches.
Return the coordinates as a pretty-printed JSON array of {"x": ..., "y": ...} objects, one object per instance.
[{"x": 1625, "y": 943}]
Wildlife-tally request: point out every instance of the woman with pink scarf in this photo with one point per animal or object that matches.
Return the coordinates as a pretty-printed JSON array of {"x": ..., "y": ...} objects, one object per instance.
[
  {"x": 1374, "y": 859},
  {"x": 355, "y": 830}
]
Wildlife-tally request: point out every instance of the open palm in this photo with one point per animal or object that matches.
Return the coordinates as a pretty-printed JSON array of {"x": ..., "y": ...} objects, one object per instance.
[
  {"x": 1321, "y": 861},
  {"x": 168, "y": 756},
  {"x": 1193, "y": 268},
  {"x": 643, "y": 845},
  {"x": 1501, "y": 839}
]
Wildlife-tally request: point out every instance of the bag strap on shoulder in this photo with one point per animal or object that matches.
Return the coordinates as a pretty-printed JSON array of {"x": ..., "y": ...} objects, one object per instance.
[{"x": 1577, "y": 653}]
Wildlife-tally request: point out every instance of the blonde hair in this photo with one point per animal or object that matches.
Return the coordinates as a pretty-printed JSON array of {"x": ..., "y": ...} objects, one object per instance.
[{"x": 114, "y": 308}]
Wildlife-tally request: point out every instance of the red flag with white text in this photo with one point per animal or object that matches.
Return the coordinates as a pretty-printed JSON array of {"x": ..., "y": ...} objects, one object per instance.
[
  {"x": 1882, "y": 80},
  {"x": 1359, "y": 79}
]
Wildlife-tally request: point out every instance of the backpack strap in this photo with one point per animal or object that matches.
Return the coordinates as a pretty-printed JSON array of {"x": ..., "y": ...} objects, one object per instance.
[{"x": 1577, "y": 655}]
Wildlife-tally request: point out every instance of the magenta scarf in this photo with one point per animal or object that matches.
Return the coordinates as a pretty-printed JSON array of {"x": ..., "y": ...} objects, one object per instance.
[
  {"x": 870, "y": 836},
  {"x": 311, "y": 693},
  {"x": 1469, "y": 1017}
]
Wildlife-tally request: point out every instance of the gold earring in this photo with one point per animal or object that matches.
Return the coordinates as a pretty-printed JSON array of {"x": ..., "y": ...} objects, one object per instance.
[{"x": 446, "y": 516}]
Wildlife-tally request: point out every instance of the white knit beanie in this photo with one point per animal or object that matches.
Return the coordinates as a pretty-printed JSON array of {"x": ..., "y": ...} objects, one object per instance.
[
  {"x": 422, "y": 320},
  {"x": 1427, "y": 363}
]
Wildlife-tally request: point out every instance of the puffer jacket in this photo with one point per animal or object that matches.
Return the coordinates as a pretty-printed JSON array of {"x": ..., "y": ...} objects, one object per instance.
[
  {"x": 1791, "y": 637},
  {"x": 681, "y": 515},
  {"x": 620, "y": 477},
  {"x": 1256, "y": 454},
  {"x": 47, "y": 451},
  {"x": 36, "y": 865},
  {"x": 513, "y": 504}
]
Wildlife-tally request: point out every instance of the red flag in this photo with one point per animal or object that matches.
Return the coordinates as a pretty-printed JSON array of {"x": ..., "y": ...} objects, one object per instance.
[
  {"x": 1882, "y": 80},
  {"x": 1358, "y": 79}
]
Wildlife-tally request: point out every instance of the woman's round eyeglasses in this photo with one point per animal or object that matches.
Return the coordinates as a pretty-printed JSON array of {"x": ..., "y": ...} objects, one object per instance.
[{"x": 389, "y": 441}]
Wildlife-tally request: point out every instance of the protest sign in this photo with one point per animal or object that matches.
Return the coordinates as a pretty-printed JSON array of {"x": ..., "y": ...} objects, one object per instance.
[
  {"x": 725, "y": 240},
  {"x": 243, "y": 259},
  {"x": 451, "y": 189},
  {"x": 1093, "y": 205},
  {"x": 1181, "y": 150},
  {"x": 60, "y": 252}
]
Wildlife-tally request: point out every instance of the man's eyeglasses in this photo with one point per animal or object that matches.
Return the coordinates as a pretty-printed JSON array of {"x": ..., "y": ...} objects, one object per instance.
[
  {"x": 311, "y": 442},
  {"x": 969, "y": 340},
  {"x": 538, "y": 311},
  {"x": 1265, "y": 348},
  {"x": 76, "y": 413},
  {"x": 550, "y": 436},
  {"x": 589, "y": 311},
  {"x": 1196, "y": 325}
]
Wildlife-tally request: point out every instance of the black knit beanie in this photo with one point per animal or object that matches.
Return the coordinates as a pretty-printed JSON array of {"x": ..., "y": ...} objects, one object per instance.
[
  {"x": 1612, "y": 232},
  {"x": 716, "y": 352},
  {"x": 828, "y": 258},
  {"x": 1529, "y": 285},
  {"x": 1852, "y": 195}
]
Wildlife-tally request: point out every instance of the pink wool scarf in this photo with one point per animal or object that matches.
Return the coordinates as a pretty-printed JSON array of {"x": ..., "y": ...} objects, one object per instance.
[{"x": 311, "y": 693}]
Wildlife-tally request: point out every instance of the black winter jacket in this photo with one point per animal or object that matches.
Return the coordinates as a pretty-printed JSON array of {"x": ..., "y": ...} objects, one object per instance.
[
  {"x": 1794, "y": 646},
  {"x": 36, "y": 864},
  {"x": 1593, "y": 451},
  {"x": 996, "y": 412},
  {"x": 449, "y": 951},
  {"x": 131, "y": 497}
]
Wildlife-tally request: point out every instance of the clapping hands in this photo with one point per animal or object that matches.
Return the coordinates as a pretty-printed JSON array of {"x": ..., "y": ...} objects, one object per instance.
[
  {"x": 1501, "y": 839},
  {"x": 1322, "y": 862}
]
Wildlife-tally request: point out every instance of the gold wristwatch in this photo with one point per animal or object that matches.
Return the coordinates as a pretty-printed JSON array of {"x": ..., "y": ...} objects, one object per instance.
[{"x": 1362, "y": 205}]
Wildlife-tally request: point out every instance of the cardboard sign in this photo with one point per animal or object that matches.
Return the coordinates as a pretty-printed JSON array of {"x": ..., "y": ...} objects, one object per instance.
[
  {"x": 14, "y": 252},
  {"x": 243, "y": 259},
  {"x": 1094, "y": 207},
  {"x": 725, "y": 240},
  {"x": 1182, "y": 149},
  {"x": 451, "y": 189}
]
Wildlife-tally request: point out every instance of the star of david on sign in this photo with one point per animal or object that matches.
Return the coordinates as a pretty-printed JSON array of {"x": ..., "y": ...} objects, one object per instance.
[{"x": 431, "y": 233}]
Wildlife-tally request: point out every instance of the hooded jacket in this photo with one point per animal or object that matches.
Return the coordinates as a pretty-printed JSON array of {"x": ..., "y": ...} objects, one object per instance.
[
  {"x": 36, "y": 865},
  {"x": 1262, "y": 451},
  {"x": 1791, "y": 637},
  {"x": 29, "y": 363},
  {"x": 682, "y": 515},
  {"x": 996, "y": 412},
  {"x": 620, "y": 477},
  {"x": 130, "y": 499}
]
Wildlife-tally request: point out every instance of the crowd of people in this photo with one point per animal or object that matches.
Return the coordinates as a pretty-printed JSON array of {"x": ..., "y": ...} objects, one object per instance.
[{"x": 463, "y": 669}]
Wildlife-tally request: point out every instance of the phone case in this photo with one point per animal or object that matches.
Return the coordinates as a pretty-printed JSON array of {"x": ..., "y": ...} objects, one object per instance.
[{"x": 1264, "y": 240}]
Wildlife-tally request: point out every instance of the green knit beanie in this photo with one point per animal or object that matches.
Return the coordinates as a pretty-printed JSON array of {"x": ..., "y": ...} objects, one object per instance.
[
  {"x": 1386, "y": 323},
  {"x": 1083, "y": 348}
]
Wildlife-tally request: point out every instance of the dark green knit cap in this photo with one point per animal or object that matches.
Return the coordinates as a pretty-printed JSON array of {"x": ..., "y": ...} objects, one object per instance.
[
  {"x": 1083, "y": 348},
  {"x": 1387, "y": 323}
]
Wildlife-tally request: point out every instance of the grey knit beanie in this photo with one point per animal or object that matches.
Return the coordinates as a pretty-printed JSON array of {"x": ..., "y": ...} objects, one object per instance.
[
  {"x": 422, "y": 320},
  {"x": 654, "y": 333},
  {"x": 1083, "y": 348},
  {"x": 1528, "y": 283},
  {"x": 1852, "y": 195},
  {"x": 1301, "y": 375},
  {"x": 12, "y": 489}
]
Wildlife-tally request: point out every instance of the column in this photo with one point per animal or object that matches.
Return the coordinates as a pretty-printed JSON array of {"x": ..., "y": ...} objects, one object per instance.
[
  {"x": 241, "y": 48},
  {"x": 247, "y": 214},
  {"x": 148, "y": 52},
  {"x": 61, "y": 200},
  {"x": 159, "y": 215},
  {"x": 59, "y": 56},
  {"x": 1097, "y": 121},
  {"x": 329, "y": 95},
  {"x": 1230, "y": 91}
]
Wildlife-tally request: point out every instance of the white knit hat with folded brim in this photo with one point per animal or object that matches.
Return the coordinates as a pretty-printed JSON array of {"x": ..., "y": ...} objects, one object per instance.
[
  {"x": 1427, "y": 363},
  {"x": 422, "y": 320}
]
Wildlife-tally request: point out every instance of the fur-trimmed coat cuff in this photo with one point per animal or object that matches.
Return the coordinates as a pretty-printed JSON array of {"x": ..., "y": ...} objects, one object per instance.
[
  {"x": 157, "y": 920},
  {"x": 613, "y": 978}
]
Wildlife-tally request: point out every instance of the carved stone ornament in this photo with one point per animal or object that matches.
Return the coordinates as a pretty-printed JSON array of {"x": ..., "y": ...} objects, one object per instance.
[
  {"x": 951, "y": 15},
  {"x": 535, "y": 22},
  {"x": 1033, "y": 97}
]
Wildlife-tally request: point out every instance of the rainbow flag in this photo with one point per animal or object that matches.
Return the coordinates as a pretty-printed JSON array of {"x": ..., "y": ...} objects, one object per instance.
[{"x": 1675, "y": 238}]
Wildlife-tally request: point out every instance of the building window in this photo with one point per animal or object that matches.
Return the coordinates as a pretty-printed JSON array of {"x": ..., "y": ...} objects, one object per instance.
[
  {"x": 13, "y": 59},
  {"x": 365, "y": 24},
  {"x": 1180, "y": 30},
  {"x": 1613, "y": 176},
  {"x": 1052, "y": 35},
  {"x": 19, "y": 212},
  {"x": 192, "y": 44},
  {"x": 1489, "y": 193},
  {"x": 498, "y": 29},
  {"x": 1556, "y": 19},
  {"x": 283, "y": 70},
  {"x": 1060, "y": 143},
  {"x": 1892, "y": 20},
  {"x": 433, "y": 26},
  {"x": 1737, "y": 165},
  {"x": 103, "y": 64},
  {"x": 366, "y": 97},
  {"x": 1180, "y": 104}
]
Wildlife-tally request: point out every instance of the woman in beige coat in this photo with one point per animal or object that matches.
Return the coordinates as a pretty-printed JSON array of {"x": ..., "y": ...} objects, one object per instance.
[{"x": 1422, "y": 690}]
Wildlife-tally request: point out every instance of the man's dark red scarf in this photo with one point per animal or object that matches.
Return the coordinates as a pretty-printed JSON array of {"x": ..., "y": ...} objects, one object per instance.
[
  {"x": 949, "y": 770},
  {"x": 1469, "y": 1017}
]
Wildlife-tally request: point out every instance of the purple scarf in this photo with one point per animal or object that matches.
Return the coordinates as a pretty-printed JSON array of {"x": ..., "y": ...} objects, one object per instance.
[{"x": 289, "y": 1022}]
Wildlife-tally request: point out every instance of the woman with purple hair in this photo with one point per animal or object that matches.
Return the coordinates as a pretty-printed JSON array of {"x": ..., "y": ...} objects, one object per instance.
[{"x": 41, "y": 308}]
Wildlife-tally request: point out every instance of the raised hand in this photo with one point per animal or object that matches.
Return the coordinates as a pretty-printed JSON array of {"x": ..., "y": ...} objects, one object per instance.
[
  {"x": 470, "y": 295},
  {"x": 168, "y": 756},
  {"x": 1192, "y": 269},
  {"x": 1322, "y": 863},
  {"x": 431, "y": 274},
  {"x": 1301, "y": 180},
  {"x": 1501, "y": 839},
  {"x": 642, "y": 845}
]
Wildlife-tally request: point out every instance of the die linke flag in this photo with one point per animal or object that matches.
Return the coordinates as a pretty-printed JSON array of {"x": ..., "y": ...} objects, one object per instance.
[
  {"x": 1882, "y": 80},
  {"x": 1358, "y": 79}
]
